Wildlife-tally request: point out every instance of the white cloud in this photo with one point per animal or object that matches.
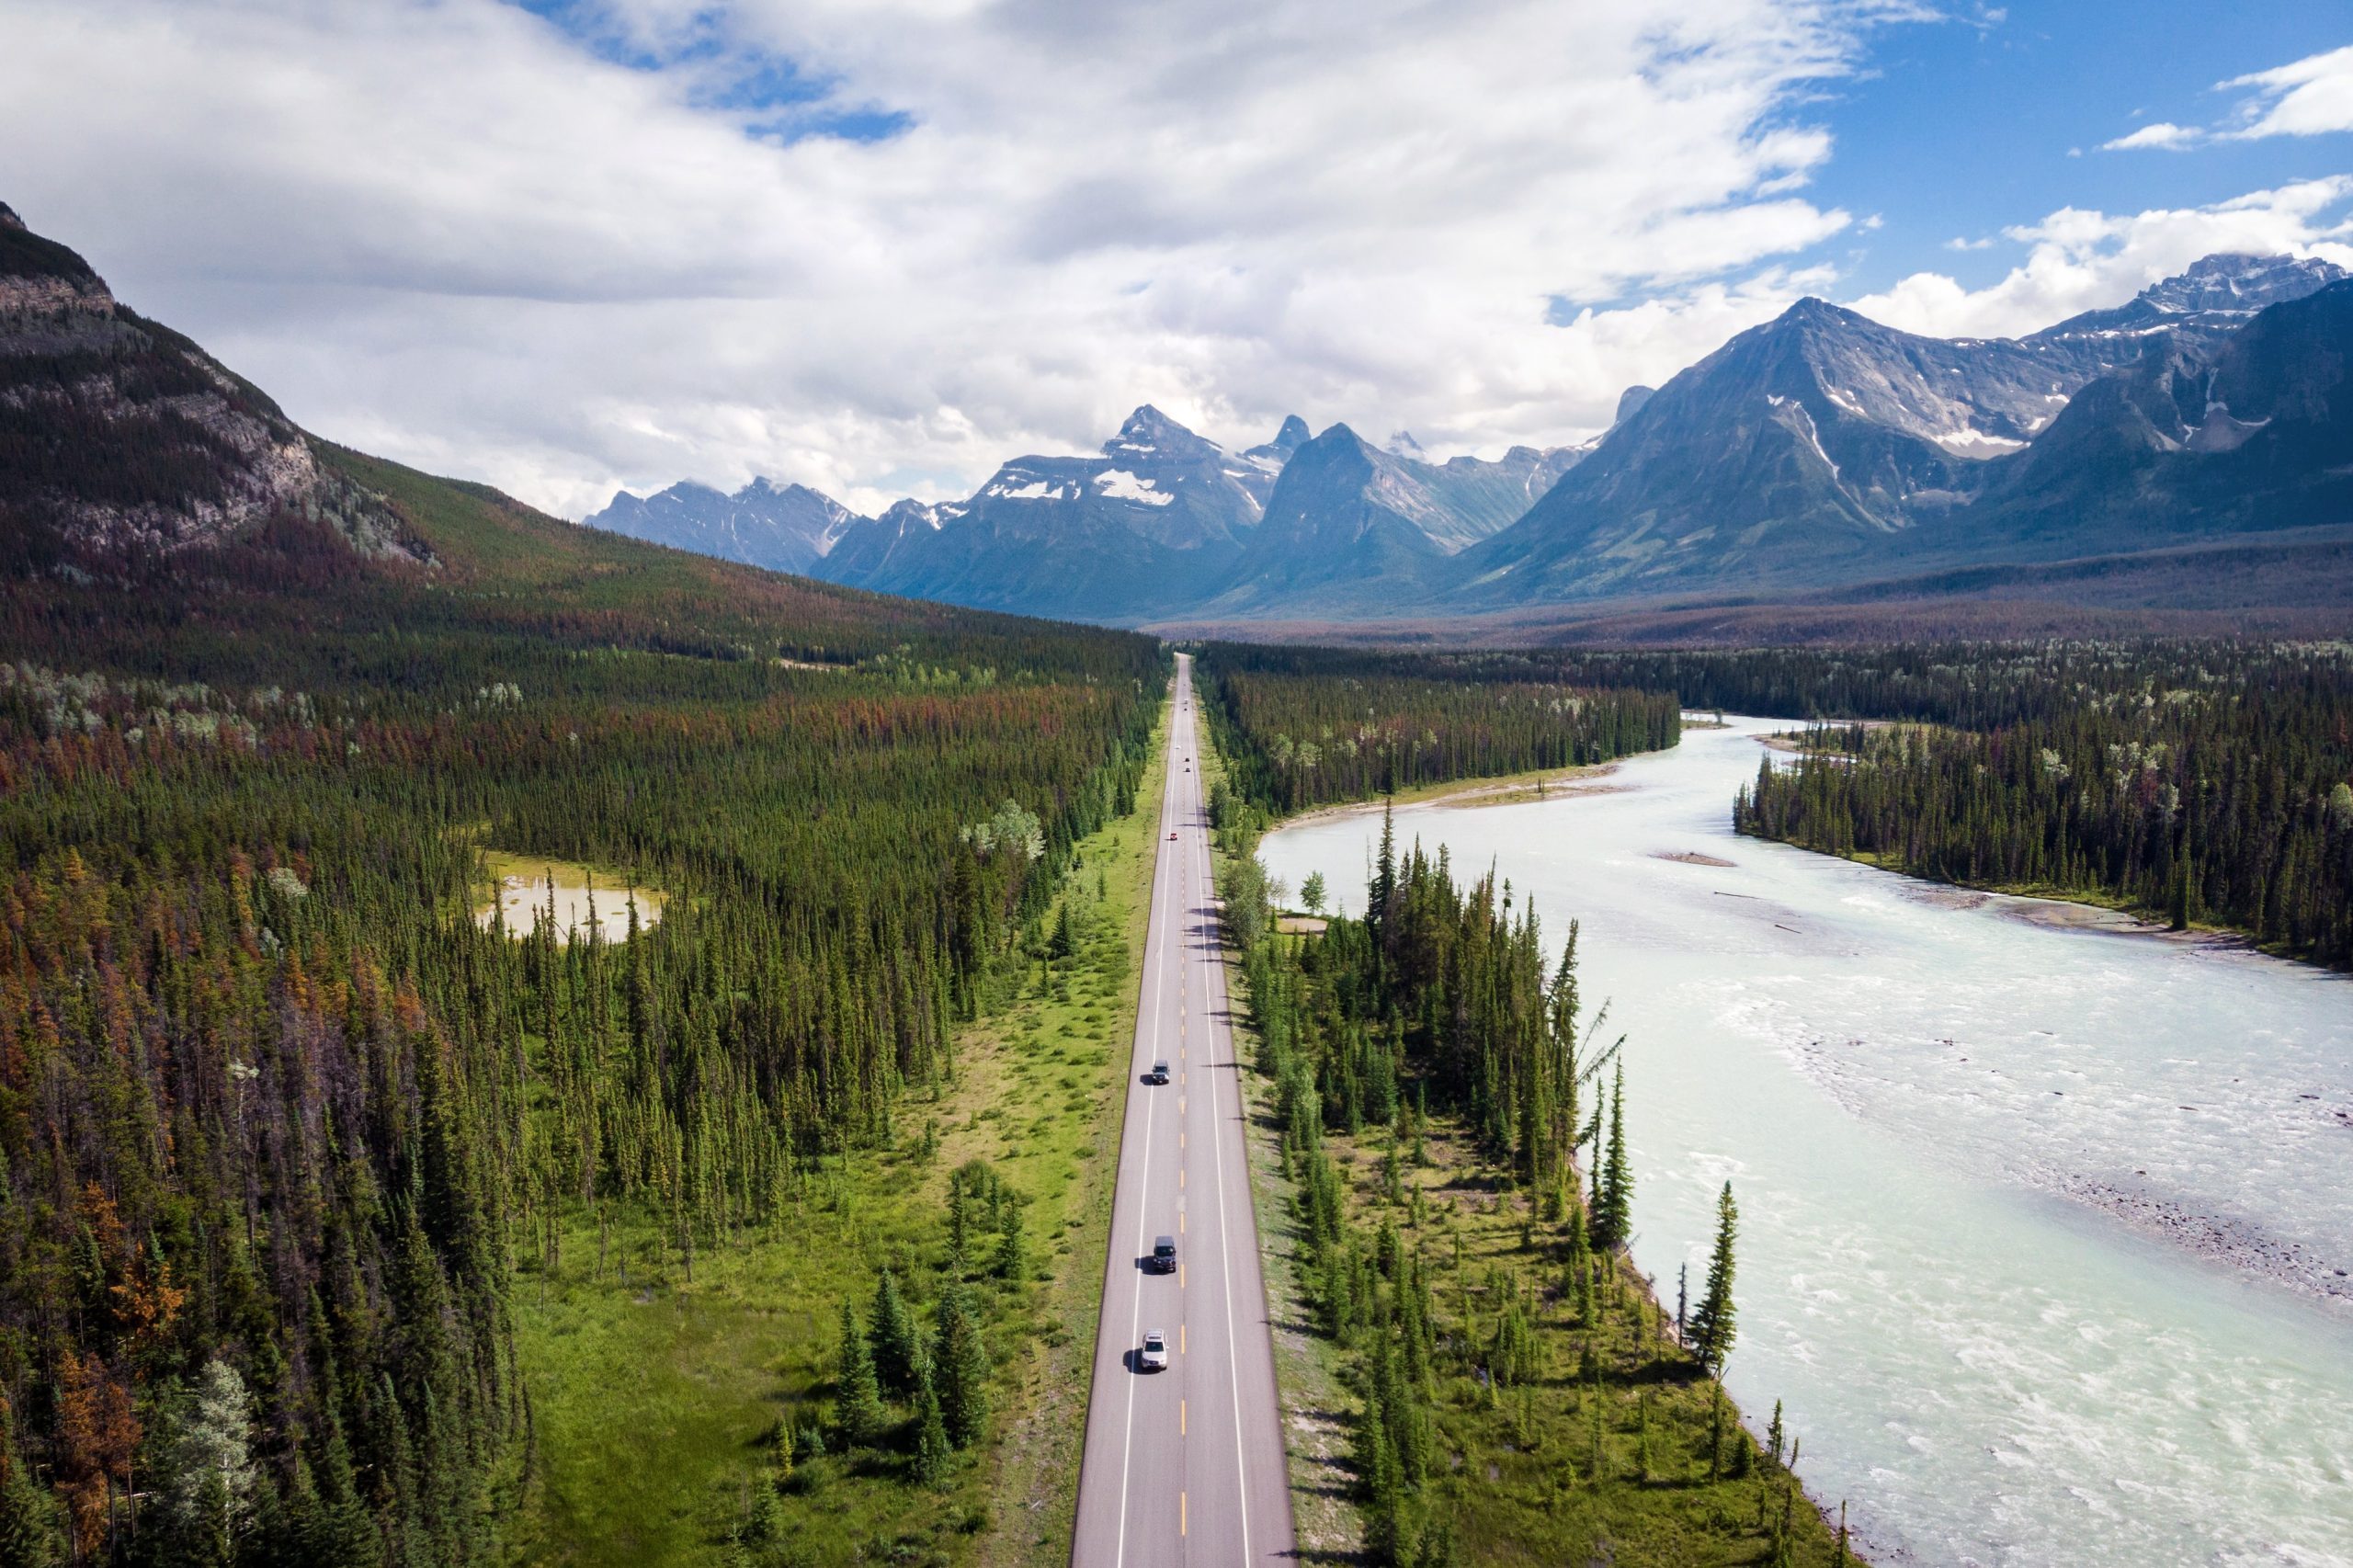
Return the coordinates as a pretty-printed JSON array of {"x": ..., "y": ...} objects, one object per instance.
[
  {"x": 447, "y": 231},
  {"x": 2078, "y": 260},
  {"x": 2307, "y": 98},
  {"x": 2158, "y": 133}
]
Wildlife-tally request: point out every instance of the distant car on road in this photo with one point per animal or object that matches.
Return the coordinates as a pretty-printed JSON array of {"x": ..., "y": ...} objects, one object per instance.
[
  {"x": 1154, "y": 1357},
  {"x": 1171, "y": 838},
  {"x": 1159, "y": 1073},
  {"x": 1164, "y": 1254}
]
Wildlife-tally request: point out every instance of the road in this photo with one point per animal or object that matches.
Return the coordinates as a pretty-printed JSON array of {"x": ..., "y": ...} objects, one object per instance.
[{"x": 1184, "y": 1466}]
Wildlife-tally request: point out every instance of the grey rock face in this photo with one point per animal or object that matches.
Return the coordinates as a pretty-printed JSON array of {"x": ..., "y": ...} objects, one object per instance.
[
  {"x": 1800, "y": 451},
  {"x": 139, "y": 440}
]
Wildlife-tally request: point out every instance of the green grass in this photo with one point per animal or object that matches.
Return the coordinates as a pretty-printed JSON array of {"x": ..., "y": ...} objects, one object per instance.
[
  {"x": 656, "y": 1400},
  {"x": 1523, "y": 1487}
]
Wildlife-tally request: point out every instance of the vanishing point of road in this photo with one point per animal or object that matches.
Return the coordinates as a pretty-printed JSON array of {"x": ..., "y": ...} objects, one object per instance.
[{"x": 1184, "y": 1466}]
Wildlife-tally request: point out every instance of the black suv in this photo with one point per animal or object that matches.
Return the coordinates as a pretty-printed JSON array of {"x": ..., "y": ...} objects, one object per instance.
[{"x": 1164, "y": 1254}]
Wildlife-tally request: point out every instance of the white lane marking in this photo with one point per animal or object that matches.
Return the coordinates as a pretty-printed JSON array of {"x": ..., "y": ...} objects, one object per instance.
[{"x": 1143, "y": 1187}]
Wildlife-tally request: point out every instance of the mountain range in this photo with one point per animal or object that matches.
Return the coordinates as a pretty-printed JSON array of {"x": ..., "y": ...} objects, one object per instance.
[
  {"x": 783, "y": 528},
  {"x": 1817, "y": 453},
  {"x": 1161, "y": 518},
  {"x": 2190, "y": 449}
]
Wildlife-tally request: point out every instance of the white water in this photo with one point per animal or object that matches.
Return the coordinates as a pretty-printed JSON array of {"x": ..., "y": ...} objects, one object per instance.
[{"x": 2039, "y": 1228}]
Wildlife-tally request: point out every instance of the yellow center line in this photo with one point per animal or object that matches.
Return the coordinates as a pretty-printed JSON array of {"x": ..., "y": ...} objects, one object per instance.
[
  {"x": 1180, "y": 1277},
  {"x": 1180, "y": 1339},
  {"x": 1180, "y": 1514},
  {"x": 1180, "y": 1417}
]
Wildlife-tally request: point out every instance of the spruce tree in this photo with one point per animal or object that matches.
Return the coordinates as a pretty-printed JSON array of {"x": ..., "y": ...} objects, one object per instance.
[
  {"x": 933, "y": 1452},
  {"x": 896, "y": 1340},
  {"x": 1614, "y": 1182},
  {"x": 1713, "y": 1322},
  {"x": 28, "y": 1511},
  {"x": 858, "y": 1396},
  {"x": 1012, "y": 1255},
  {"x": 961, "y": 1371},
  {"x": 960, "y": 1223}
]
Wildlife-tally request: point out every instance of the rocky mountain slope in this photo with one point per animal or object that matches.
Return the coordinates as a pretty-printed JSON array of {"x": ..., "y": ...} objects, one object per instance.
[
  {"x": 785, "y": 528},
  {"x": 2208, "y": 437},
  {"x": 119, "y": 437},
  {"x": 1800, "y": 452},
  {"x": 1352, "y": 526}
]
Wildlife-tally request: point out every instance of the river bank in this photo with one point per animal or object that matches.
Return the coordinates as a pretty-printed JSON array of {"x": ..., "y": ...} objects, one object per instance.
[
  {"x": 2042, "y": 1226},
  {"x": 1604, "y": 1456}
]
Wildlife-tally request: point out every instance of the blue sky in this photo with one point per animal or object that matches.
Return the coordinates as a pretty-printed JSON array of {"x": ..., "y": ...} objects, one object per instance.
[
  {"x": 1960, "y": 130},
  {"x": 879, "y": 246}
]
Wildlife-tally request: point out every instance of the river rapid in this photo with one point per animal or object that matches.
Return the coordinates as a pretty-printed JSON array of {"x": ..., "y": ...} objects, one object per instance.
[{"x": 2045, "y": 1231}]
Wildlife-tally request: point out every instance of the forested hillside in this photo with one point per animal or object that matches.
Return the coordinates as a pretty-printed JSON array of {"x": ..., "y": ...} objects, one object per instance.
[
  {"x": 281, "y": 1123},
  {"x": 2207, "y": 786},
  {"x": 1307, "y": 726},
  {"x": 2203, "y": 782}
]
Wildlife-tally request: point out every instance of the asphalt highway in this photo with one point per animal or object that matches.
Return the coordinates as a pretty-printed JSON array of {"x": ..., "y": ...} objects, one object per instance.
[{"x": 1186, "y": 1465}]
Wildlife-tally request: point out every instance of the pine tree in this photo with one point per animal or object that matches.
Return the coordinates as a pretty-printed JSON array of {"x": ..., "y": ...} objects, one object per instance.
[
  {"x": 765, "y": 1522},
  {"x": 1012, "y": 1255},
  {"x": 28, "y": 1513},
  {"x": 857, "y": 1395},
  {"x": 933, "y": 1452},
  {"x": 212, "y": 1440},
  {"x": 1377, "y": 1476},
  {"x": 896, "y": 1341},
  {"x": 1713, "y": 1323},
  {"x": 1613, "y": 1181},
  {"x": 961, "y": 1371},
  {"x": 960, "y": 1222}
]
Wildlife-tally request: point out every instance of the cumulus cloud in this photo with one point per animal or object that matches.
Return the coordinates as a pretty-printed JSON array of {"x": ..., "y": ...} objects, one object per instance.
[
  {"x": 2309, "y": 96},
  {"x": 2158, "y": 133},
  {"x": 645, "y": 241},
  {"x": 2078, "y": 260},
  {"x": 2306, "y": 97}
]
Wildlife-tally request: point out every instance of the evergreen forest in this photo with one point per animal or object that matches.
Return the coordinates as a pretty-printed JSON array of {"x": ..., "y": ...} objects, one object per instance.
[{"x": 283, "y": 1124}]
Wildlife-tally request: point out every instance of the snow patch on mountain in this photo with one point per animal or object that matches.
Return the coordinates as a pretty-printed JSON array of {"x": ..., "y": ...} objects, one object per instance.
[{"x": 1120, "y": 485}]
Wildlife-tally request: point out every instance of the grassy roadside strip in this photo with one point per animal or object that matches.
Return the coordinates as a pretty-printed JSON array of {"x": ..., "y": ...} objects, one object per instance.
[
  {"x": 665, "y": 1406},
  {"x": 1034, "y": 1492},
  {"x": 1603, "y": 1455}
]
